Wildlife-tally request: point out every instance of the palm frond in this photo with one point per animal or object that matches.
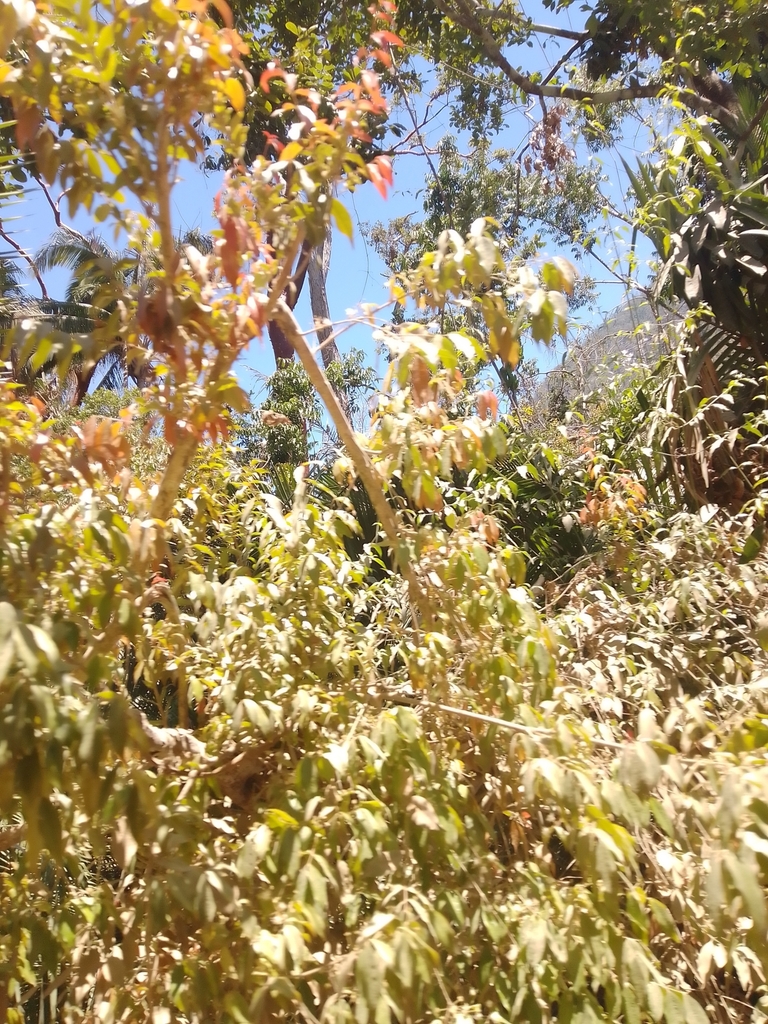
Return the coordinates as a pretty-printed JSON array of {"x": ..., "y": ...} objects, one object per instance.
[
  {"x": 114, "y": 376},
  {"x": 65, "y": 250},
  {"x": 201, "y": 241}
]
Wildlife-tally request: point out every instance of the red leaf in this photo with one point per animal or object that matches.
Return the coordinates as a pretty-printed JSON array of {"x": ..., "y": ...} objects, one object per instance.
[
  {"x": 273, "y": 143},
  {"x": 377, "y": 181},
  {"x": 229, "y": 249},
  {"x": 384, "y": 165},
  {"x": 487, "y": 403}
]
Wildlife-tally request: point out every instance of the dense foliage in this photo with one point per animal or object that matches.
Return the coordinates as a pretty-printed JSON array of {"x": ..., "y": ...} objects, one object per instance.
[{"x": 413, "y": 706}]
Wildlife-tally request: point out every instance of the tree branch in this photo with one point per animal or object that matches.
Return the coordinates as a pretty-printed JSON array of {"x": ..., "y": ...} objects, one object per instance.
[
  {"x": 362, "y": 461},
  {"x": 27, "y": 259},
  {"x": 281, "y": 347},
  {"x": 319, "y": 263},
  {"x": 556, "y": 67},
  {"x": 465, "y": 16},
  {"x": 55, "y": 207},
  {"x": 420, "y": 137},
  {"x": 545, "y": 30},
  {"x": 761, "y": 112},
  {"x": 48, "y": 990}
]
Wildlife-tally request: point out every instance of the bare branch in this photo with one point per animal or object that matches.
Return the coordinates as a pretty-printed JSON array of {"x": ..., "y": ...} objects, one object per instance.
[
  {"x": 420, "y": 137},
  {"x": 556, "y": 67},
  {"x": 56, "y": 208},
  {"x": 362, "y": 461},
  {"x": 27, "y": 259}
]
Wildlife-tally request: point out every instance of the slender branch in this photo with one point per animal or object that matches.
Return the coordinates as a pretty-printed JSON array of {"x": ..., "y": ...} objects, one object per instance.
[
  {"x": 318, "y": 296},
  {"x": 560, "y": 33},
  {"x": 27, "y": 259},
  {"x": 185, "y": 447},
  {"x": 420, "y": 137},
  {"x": 164, "y": 219},
  {"x": 362, "y": 461},
  {"x": 280, "y": 283},
  {"x": 56, "y": 983},
  {"x": 545, "y": 30},
  {"x": 297, "y": 281},
  {"x": 464, "y": 15},
  {"x": 556, "y": 67},
  {"x": 175, "y": 468},
  {"x": 535, "y": 732},
  {"x": 55, "y": 207},
  {"x": 761, "y": 111}
]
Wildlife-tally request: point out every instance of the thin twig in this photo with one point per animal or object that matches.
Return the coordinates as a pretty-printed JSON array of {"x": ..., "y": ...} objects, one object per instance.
[
  {"x": 556, "y": 67},
  {"x": 422, "y": 143},
  {"x": 55, "y": 207},
  {"x": 546, "y": 30}
]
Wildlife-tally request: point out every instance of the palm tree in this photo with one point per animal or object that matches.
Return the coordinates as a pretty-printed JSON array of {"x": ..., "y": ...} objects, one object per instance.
[{"x": 99, "y": 274}]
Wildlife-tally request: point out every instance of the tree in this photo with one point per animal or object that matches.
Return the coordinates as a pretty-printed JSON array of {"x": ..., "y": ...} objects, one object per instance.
[{"x": 249, "y": 774}]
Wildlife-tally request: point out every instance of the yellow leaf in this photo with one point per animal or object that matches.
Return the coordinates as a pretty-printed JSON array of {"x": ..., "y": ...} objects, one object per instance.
[
  {"x": 291, "y": 151},
  {"x": 504, "y": 342},
  {"x": 235, "y": 93},
  {"x": 568, "y": 273}
]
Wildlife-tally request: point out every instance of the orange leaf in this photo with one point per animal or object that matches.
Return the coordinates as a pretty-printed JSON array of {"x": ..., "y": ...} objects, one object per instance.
[
  {"x": 487, "y": 402},
  {"x": 267, "y": 75},
  {"x": 28, "y": 121},
  {"x": 386, "y": 39},
  {"x": 273, "y": 143},
  {"x": 384, "y": 165}
]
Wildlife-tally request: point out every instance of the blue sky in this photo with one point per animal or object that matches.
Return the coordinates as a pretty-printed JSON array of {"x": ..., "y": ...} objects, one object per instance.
[{"x": 357, "y": 274}]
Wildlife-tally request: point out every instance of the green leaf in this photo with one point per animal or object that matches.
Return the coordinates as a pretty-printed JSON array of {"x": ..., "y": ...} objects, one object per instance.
[
  {"x": 744, "y": 879},
  {"x": 694, "y": 1011},
  {"x": 664, "y": 919},
  {"x": 753, "y": 545},
  {"x": 674, "y": 1008},
  {"x": 50, "y": 829}
]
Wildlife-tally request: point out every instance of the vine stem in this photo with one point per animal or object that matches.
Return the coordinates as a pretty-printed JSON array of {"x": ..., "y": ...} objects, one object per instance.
[{"x": 360, "y": 458}]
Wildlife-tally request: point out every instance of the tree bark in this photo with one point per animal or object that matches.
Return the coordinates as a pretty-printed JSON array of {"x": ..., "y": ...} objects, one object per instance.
[
  {"x": 281, "y": 347},
  {"x": 319, "y": 262}
]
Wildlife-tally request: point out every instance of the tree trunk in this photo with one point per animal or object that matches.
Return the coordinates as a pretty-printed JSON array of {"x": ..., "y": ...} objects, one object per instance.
[
  {"x": 319, "y": 262},
  {"x": 83, "y": 380},
  {"x": 281, "y": 347}
]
